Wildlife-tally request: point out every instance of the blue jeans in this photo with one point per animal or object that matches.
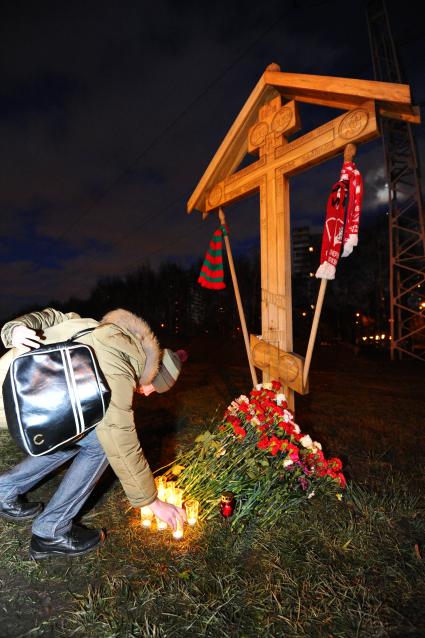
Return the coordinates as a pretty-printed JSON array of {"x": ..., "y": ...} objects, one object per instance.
[{"x": 76, "y": 486}]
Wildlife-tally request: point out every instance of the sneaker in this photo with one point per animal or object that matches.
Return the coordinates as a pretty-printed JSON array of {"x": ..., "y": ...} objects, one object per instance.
[
  {"x": 76, "y": 542},
  {"x": 19, "y": 510}
]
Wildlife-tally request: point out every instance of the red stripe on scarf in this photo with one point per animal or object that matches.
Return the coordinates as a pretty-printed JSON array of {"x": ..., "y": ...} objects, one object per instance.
[
  {"x": 335, "y": 232},
  {"x": 211, "y": 259},
  {"x": 355, "y": 196},
  {"x": 213, "y": 286},
  {"x": 215, "y": 274}
]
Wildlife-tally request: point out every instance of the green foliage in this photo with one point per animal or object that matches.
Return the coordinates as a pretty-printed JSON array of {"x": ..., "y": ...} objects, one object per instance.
[
  {"x": 350, "y": 568},
  {"x": 258, "y": 453}
]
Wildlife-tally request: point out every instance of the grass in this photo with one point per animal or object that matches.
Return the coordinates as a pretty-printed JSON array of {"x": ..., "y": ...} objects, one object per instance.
[
  {"x": 333, "y": 569},
  {"x": 322, "y": 572}
]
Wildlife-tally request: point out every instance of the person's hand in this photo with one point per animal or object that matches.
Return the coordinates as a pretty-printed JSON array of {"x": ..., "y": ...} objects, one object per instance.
[
  {"x": 146, "y": 390},
  {"x": 25, "y": 338},
  {"x": 170, "y": 514}
]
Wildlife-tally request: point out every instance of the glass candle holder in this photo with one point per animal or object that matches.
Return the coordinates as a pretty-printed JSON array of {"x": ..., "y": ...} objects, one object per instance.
[
  {"x": 160, "y": 523},
  {"x": 178, "y": 497},
  {"x": 178, "y": 532},
  {"x": 162, "y": 492},
  {"x": 146, "y": 516},
  {"x": 192, "y": 511},
  {"x": 160, "y": 482},
  {"x": 170, "y": 489}
]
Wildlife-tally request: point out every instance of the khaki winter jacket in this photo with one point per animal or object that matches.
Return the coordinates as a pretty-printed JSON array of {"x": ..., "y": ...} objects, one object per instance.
[{"x": 129, "y": 355}]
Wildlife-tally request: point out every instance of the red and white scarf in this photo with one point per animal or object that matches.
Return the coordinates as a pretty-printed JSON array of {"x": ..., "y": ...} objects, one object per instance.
[{"x": 335, "y": 232}]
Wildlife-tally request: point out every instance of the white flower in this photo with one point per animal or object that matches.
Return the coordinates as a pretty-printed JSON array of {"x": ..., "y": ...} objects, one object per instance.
[
  {"x": 242, "y": 399},
  {"x": 311, "y": 494},
  {"x": 255, "y": 421},
  {"x": 288, "y": 462},
  {"x": 317, "y": 445},
  {"x": 280, "y": 398},
  {"x": 306, "y": 441},
  {"x": 287, "y": 416},
  {"x": 259, "y": 386},
  {"x": 296, "y": 428}
]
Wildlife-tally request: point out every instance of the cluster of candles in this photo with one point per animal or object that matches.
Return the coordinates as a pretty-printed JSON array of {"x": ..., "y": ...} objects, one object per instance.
[{"x": 169, "y": 493}]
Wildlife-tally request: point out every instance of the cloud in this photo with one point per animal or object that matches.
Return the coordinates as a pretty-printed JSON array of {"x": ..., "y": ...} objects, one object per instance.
[{"x": 111, "y": 111}]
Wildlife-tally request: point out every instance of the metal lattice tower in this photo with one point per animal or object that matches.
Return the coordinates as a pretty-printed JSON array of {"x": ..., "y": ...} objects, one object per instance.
[{"x": 406, "y": 213}]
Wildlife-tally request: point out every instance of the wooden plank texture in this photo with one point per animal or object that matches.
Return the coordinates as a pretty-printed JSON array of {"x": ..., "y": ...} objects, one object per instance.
[
  {"x": 285, "y": 366},
  {"x": 233, "y": 147},
  {"x": 298, "y": 85},
  {"x": 324, "y": 142},
  {"x": 393, "y": 100}
]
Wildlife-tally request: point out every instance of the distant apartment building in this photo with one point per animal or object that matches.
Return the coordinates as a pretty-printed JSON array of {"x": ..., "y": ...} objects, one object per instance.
[{"x": 304, "y": 251}]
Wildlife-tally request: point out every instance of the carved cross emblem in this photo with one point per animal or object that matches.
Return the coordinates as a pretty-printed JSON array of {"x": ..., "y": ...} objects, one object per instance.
[{"x": 273, "y": 120}]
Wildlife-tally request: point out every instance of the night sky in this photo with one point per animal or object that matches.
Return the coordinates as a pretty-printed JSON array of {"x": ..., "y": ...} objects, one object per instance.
[{"x": 111, "y": 111}]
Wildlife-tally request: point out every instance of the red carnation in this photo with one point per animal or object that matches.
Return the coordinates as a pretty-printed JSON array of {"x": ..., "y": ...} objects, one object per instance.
[
  {"x": 335, "y": 463},
  {"x": 239, "y": 431},
  {"x": 263, "y": 443},
  {"x": 292, "y": 450},
  {"x": 275, "y": 445}
]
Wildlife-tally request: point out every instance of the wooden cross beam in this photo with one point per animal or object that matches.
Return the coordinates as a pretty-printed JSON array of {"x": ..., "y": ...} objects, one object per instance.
[
  {"x": 286, "y": 366},
  {"x": 278, "y": 159},
  {"x": 289, "y": 158},
  {"x": 264, "y": 125}
]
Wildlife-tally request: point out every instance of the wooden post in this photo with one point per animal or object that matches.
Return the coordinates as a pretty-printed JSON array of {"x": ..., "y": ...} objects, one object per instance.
[
  {"x": 280, "y": 158},
  {"x": 349, "y": 152},
  {"x": 313, "y": 332},
  {"x": 222, "y": 218}
]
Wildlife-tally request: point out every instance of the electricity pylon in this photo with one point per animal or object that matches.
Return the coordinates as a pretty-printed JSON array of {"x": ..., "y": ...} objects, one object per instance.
[{"x": 406, "y": 212}]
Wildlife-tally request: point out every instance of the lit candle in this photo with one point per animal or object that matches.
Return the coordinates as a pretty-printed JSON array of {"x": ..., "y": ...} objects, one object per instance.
[
  {"x": 160, "y": 523},
  {"x": 178, "y": 497},
  {"x": 160, "y": 481},
  {"x": 161, "y": 486},
  {"x": 192, "y": 510},
  {"x": 170, "y": 490},
  {"x": 146, "y": 516},
  {"x": 178, "y": 532},
  {"x": 168, "y": 495}
]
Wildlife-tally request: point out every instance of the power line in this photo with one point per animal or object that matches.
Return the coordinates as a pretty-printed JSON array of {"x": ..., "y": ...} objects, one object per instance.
[
  {"x": 127, "y": 170},
  {"x": 120, "y": 177},
  {"x": 178, "y": 240},
  {"x": 144, "y": 221}
]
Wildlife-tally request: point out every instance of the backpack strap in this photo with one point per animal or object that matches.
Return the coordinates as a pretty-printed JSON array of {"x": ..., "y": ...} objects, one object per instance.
[{"x": 81, "y": 333}]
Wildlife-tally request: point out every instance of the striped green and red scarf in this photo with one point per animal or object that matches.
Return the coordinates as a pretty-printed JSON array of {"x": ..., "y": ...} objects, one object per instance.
[{"x": 212, "y": 275}]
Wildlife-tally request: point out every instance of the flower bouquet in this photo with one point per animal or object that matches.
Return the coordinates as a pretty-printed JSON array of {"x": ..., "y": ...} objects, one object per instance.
[{"x": 258, "y": 453}]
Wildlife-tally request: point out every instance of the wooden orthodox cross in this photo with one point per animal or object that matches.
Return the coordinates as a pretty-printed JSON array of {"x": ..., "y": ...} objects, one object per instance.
[{"x": 264, "y": 126}]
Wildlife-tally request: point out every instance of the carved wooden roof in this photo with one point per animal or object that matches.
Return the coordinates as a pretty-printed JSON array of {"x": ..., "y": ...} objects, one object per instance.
[{"x": 392, "y": 100}]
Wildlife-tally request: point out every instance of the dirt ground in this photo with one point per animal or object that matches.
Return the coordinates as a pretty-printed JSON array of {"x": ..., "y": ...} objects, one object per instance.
[{"x": 360, "y": 407}]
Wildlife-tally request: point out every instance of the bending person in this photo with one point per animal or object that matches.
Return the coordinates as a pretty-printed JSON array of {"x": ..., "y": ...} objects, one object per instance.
[{"x": 132, "y": 361}]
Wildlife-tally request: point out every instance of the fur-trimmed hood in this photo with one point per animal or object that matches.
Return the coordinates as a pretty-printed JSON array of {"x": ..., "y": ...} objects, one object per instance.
[{"x": 139, "y": 329}]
